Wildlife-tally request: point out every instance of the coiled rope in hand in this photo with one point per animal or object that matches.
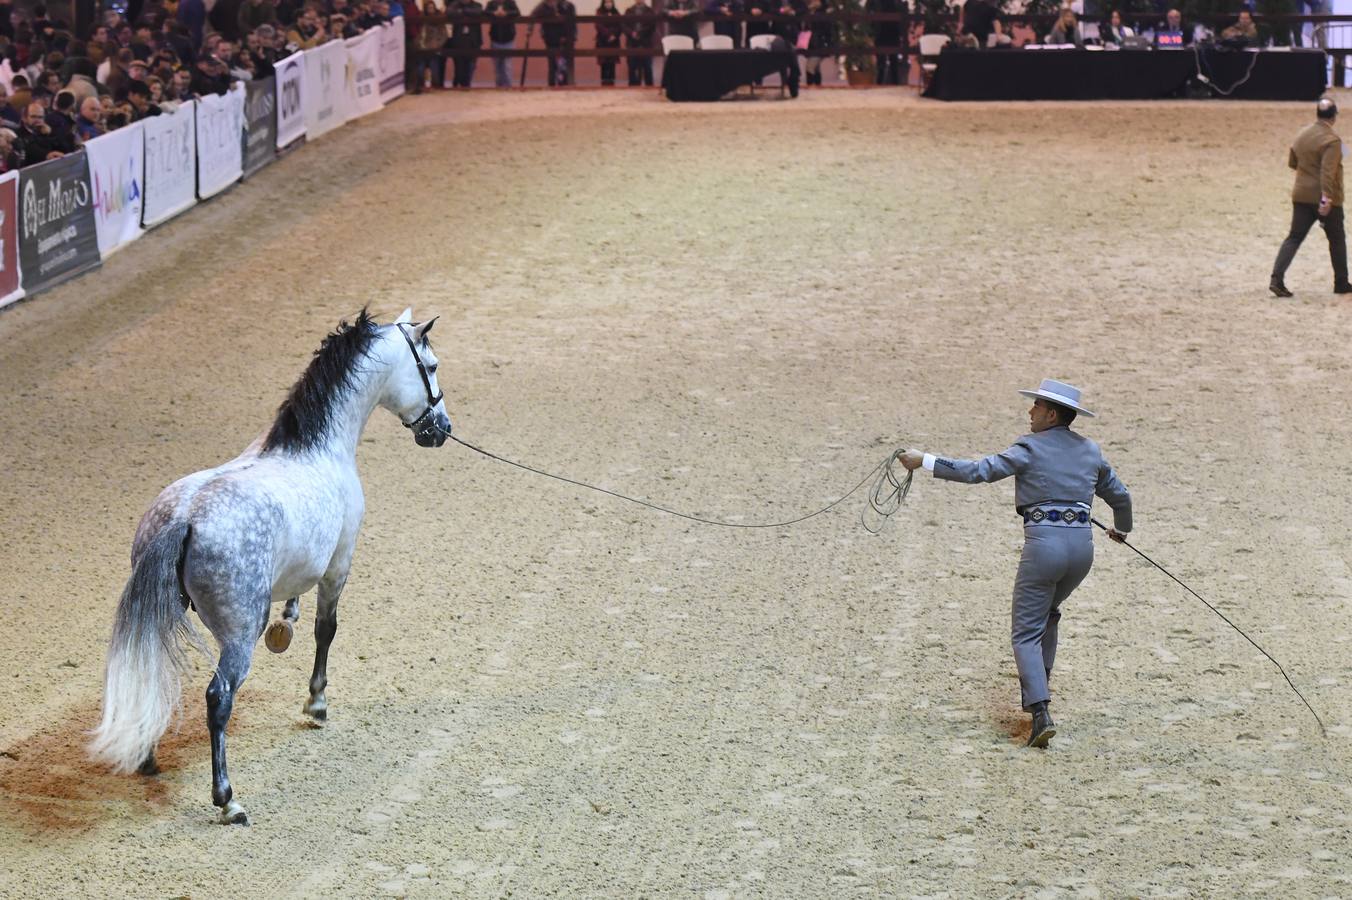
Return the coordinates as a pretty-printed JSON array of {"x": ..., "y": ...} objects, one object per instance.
[{"x": 884, "y": 504}]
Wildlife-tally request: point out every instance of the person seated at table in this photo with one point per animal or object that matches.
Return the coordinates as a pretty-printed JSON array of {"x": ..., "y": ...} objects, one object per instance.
[
  {"x": 1173, "y": 32},
  {"x": 1115, "y": 32},
  {"x": 978, "y": 18},
  {"x": 998, "y": 38},
  {"x": 1243, "y": 33},
  {"x": 1067, "y": 29}
]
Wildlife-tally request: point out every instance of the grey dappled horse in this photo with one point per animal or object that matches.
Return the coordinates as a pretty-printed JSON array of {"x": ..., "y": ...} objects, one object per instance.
[{"x": 265, "y": 527}]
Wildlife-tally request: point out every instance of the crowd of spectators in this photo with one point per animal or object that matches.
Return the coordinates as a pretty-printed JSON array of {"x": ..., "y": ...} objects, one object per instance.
[
  {"x": 982, "y": 25},
  {"x": 60, "y": 88}
]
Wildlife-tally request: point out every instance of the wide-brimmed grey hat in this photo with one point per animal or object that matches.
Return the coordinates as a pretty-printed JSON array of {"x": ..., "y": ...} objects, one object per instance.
[{"x": 1060, "y": 393}]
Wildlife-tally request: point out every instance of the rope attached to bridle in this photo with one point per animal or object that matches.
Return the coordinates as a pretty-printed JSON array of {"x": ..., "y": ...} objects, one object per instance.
[{"x": 884, "y": 506}]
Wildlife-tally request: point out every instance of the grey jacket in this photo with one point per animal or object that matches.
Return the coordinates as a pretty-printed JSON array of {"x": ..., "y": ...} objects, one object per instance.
[{"x": 1056, "y": 465}]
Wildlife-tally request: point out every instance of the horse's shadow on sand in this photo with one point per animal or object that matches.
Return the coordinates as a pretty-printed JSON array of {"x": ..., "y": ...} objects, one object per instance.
[{"x": 49, "y": 784}]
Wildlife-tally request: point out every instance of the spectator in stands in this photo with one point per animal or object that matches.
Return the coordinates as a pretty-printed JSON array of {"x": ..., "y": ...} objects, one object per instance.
[
  {"x": 978, "y": 19},
  {"x": 467, "y": 39},
  {"x": 61, "y": 117},
  {"x": 256, "y": 12},
  {"x": 241, "y": 66},
  {"x": 502, "y": 36},
  {"x": 9, "y": 157},
  {"x": 309, "y": 34},
  {"x": 790, "y": 28},
  {"x": 887, "y": 34},
  {"x": 211, "y": 77},
  {"x": 142, "y": 44},
  {"x": 1067, "y": 29},
  {"x": 89, "y": 124},
  {"x": 756, "y": 24},
  {"x": 608, "y": 31},
  {"x": 1115, "y": 31},
  {"x": 681, "y": 18},
  {"x": 37, "y": 140},
  {"x": 20, "y": 96},
  {"x": 721, "y": 8},
  {"x": 639, "y": 35},
  {"x": 1244, "y": 33},
  {"x": 559, "y": 37},
  {"x": 138, "y": 97},
  {"x": 155, "y": 84},
  {"x": 823, "y": 30},
  {"x": 176, "y": 41},
  {"x": 340, "y": 28},
  {"x": 427, "y": 50},
  {"x": 138, "y": 70},
  {"x": 50, "y": 81},
  {"x": 1173, "y": 31},
  {"x": 180, "y": 88}
]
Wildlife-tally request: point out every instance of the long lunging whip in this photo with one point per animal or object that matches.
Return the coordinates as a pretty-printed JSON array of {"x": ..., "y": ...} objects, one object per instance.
[{"x": 1227, "y": 621}]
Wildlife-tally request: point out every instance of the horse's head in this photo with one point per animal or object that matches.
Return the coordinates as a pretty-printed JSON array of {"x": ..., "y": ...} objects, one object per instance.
[{"x": 411, "y": 391}]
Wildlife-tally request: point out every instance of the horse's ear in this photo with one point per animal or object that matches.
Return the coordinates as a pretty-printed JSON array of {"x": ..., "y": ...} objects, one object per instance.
[
  {"x": 426, "y": 327},
  {"x": 405, "y": 316}
]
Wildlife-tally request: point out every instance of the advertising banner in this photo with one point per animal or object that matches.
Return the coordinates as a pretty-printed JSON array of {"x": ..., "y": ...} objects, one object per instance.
[
  {"x": 392, "y": 60},
  {"x": 290, "y": 99},
  {"x": 220, "y": 149},
  {"x": 363, "y": 73},
  {"x": 10, "y": 289},
  {"x": 325, "y": 93},
  {"x": 57, "y": 235},
  {"x": 260, "y": 125},
  {"x": 171, "y": 164},
  {"x": 117, "y": 172}
]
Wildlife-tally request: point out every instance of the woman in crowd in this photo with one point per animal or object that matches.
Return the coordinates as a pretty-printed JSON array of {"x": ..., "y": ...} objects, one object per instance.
[
  {"x": 608, "y": 37},
  {"x": 1115, "y": 32},
  {"x": 1067, "y": 29}
]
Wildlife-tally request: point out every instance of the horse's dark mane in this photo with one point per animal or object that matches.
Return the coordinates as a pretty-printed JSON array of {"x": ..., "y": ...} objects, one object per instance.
[{"x": 303, "y": 418}]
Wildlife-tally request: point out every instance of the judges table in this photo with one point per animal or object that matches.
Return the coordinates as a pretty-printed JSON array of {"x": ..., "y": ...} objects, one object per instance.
[
  {"x": 1048, "y": 74},
  {"x": 709, "y": 74}
]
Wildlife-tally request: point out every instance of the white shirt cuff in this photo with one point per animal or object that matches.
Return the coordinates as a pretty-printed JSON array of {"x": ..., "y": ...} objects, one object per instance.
[{"x": 928, "y": 462}]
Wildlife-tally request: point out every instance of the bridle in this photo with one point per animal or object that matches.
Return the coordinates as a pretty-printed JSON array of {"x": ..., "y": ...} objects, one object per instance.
[{"x": 424, "y": 424}]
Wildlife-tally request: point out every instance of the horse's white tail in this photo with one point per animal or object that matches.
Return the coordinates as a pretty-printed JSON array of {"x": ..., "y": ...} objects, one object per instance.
[{"x": 141, "y": 687}]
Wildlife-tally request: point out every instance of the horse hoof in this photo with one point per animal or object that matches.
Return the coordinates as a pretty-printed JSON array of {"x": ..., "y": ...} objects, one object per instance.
[
  {"x": 233, "y": 814},
  {"x": 278, "y": 636},
  {"x": 317, "y": 711}
]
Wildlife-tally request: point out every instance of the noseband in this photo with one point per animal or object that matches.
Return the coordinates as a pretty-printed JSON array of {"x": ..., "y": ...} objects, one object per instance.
[{"x": 421, "y": 424}]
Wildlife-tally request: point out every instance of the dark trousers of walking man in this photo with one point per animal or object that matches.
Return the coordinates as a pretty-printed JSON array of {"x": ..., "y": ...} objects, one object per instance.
[
  {"x": 1303, "y": 217},
  {"x": 640, "y": 70}
]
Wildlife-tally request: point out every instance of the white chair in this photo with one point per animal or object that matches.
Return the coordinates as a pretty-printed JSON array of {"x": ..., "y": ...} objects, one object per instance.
[
  {"x": 677, "y": 42},
  {"x": 762, "y": 41},
  {"x": 716, "y": 42},
  {"x": 930, "y": 45}
]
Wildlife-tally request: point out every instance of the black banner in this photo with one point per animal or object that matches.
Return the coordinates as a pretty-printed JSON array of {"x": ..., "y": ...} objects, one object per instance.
[
  {"x": 58, "y": 238},
  {"x": 260, "y": 125}
]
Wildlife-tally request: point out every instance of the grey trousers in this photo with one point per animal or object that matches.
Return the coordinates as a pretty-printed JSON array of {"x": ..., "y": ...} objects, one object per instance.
[{"x": 1054, "y": 562}]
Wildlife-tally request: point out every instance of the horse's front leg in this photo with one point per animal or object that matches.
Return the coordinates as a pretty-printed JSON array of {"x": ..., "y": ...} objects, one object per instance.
[{"x": 326, "y": 626}]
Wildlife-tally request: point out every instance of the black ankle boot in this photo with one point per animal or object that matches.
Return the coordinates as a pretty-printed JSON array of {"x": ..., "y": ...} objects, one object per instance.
[{"x": 1044, "y": 729}]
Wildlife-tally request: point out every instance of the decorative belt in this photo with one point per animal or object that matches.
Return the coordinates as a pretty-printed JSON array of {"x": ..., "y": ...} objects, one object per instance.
[{"x": 1051, "y": 515}]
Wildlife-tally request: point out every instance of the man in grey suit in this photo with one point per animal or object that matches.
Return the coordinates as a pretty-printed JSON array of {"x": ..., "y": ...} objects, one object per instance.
[{"x": 1056, "y": 473}]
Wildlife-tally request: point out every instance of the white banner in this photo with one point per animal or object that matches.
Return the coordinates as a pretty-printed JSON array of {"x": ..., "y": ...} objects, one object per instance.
[
  {"x": 290, "y": 99},
  {"x": 325, "y": 89},
  {"x": 171, "y": 164},
  {"x": 363, "y": 73},
  {"x": 220, "y": 146},
  {"x": 10, "y": 289},
  {"x": 117, "y": 176},
  {"x": 392, "y": 60}
]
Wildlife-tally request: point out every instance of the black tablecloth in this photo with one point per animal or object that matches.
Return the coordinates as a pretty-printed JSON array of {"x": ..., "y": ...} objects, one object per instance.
[
  {"x": 709, "y": 74},
  {"x": 1125, "y": 74}
]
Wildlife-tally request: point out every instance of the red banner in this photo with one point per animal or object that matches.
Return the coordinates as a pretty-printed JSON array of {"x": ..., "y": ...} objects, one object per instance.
[{"x": 9, "y": 238}]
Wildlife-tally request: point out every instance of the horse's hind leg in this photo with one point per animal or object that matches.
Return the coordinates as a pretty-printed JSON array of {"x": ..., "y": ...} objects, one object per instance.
[
  {"x": 230, "y": 674},
  {"x": 326, "y": 626}
]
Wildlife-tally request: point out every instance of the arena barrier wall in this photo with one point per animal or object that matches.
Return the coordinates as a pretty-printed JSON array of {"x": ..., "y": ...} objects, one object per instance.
[
  {"x": 220, "y": 148},
  {"x": 171, "y": 164},
  {"x": 260, "y": 124},
  {"x": 117, "y": 165},
  {"x": 57, "y": 235},
  {"x": 324, "y": 93},
  {"x": 290, "y": 74},
  {"x": 65, "y": 216},
  {"x": 10, "y": 287}
]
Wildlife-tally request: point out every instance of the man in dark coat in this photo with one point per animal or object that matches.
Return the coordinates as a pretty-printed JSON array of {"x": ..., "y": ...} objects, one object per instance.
[
  {"x": 502, "y": 36},
  {"x": 637, "y": 35},
  {"x": 558, "y": 37},
  {"x": 467, "y": 39},
  {"x": 888, "y": 34},
  {"x": 682, "y": 18}
]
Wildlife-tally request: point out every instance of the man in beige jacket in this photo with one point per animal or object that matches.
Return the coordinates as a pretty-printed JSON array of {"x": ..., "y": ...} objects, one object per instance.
[{"x": 1317, "y": 157}]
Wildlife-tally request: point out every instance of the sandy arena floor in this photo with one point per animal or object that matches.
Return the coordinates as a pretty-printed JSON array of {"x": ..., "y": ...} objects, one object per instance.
[{"x": 735, "y": 310}]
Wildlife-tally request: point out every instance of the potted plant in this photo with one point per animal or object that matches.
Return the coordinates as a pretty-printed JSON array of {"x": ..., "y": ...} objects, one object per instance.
[{"x": 857, "y": 38}]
